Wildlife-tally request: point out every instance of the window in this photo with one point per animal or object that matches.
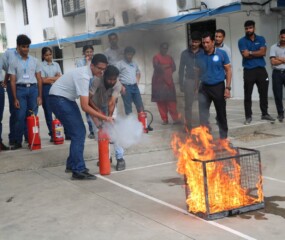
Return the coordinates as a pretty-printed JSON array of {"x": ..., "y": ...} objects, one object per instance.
[
  {"x": 25, "y": 12},
  {"x": 52, "y": 8},
  {"x": 58, "y": 56},
  {"x": 72, "y": 7}
]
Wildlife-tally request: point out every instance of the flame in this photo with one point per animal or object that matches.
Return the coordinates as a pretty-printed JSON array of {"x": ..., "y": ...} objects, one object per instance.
[{"x": 224, "y": 187}]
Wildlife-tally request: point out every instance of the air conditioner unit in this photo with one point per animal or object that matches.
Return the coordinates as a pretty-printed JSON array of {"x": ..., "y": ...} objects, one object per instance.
[
  {"x": 277, "y": 5},
  {"x": 103, "y": 19},
  {"x": 49, "y": 33},
  {"x": 185, "y": 5},
  {"x": 130, "y": 16}
]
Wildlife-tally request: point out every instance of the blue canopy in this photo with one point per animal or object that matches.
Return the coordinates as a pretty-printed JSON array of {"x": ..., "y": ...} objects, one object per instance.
[{"x": 233, "y": 7}]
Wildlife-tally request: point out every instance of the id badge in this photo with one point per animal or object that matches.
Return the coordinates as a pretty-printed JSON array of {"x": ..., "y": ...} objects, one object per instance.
[{"x": 26, "y": 76}]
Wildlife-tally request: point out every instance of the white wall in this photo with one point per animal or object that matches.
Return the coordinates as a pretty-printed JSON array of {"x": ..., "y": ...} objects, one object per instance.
[
  {"x": 38, "y": 20},
  {"x": 146, "y": 9}
]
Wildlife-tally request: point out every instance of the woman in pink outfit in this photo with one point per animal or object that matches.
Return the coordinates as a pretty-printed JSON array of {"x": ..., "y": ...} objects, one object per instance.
[{"x": 163, "y": 88}]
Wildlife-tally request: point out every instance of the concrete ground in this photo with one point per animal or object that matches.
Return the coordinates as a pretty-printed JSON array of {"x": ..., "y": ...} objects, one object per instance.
[{"x": 38, "y": 199}]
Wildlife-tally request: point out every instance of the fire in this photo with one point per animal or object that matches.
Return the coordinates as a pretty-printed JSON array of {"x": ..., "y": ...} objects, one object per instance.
[{"x": 224, "y": 186}]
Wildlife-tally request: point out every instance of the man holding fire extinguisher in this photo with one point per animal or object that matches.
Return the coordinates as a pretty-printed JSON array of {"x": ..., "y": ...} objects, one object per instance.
[
  {"x": 62, "y": 96},
  {"x": 26, "y": 86},
  {"x": 103, "y": 94}
]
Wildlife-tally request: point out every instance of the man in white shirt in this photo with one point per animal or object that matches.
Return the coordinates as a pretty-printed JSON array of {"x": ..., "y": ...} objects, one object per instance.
[{"x": 62, "y": 96}]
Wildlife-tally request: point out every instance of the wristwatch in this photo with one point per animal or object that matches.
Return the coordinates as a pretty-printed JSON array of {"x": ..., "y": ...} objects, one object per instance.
[
  {"x": 229, "y": 88},
  {"x": 250, "y": 53}
]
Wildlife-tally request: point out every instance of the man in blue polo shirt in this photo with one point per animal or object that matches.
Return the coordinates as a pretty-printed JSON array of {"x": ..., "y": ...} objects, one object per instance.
[
  {"x": 214, "y": 67},
  {"x": 253, "y": 50}
]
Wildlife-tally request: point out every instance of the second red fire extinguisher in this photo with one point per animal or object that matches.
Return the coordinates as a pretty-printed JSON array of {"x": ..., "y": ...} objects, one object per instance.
[
  {"x": 103, "y": 149},
  {"x": 142, "y": 117},
  {"x": 33, "y": 127},
  {"x": 57, "y": 132}
]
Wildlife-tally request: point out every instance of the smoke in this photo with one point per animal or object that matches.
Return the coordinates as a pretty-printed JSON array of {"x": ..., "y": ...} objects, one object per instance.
[{"x": 126, "y": 131}]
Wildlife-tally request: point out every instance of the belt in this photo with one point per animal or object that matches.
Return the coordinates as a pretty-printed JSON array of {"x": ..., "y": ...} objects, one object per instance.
[
  {"x": 279, "y": 70},
  {"x": 25, "y": 84}
]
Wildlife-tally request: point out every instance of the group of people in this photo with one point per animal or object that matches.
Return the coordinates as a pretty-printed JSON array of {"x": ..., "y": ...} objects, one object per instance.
[
  {"x": 205, "y": 74},
  {"x": 95, "y": 81}
]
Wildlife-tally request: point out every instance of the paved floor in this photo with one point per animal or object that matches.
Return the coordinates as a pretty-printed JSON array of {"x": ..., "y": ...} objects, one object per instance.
[{"x": 146, "y": 201}]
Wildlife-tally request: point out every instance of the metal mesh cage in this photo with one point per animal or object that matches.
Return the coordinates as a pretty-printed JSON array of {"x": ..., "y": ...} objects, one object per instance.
[{"x": 230, "y": 184}]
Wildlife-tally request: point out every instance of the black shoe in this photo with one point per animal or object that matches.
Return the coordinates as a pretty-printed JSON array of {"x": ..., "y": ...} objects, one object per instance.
[
  {"x": 51, "y": 139},
  {"x": 280, "y": 118},
  {"x": 149, "y": 128},
  {"x": 16, "y": 146},
  {"x": 67, "y": 138},
  {"x": 83, "y": 176},
  {"x": 267, "y": 117},
  {"x": 247, "y": 121},
  {"x": 69, "y": 170},
  {"x": 3, "y": 147},
  {"x": 91, "y": 136},
  {"x": 121, "y": 165}
]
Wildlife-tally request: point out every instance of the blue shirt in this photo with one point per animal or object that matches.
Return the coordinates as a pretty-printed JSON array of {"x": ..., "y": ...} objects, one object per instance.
[
  {"x": 246, "y": 43},
  {"x": 50, "y": 70},
  {"x": 211, "y": 67},
  {"x": 188, "y": 64},
  {"x": 24, "y": 70},
  {"x": 128, "y": 72},
  {"x": 81, "y": 62},
  {"x": 8, "y": 57}
]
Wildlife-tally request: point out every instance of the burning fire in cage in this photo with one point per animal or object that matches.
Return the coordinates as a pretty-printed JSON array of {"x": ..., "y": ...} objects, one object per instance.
[{"x": 220, "y": 180}]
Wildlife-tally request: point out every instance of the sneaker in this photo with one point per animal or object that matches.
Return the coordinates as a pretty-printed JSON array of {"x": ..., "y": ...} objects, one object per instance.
[
  {"x": 121, "y": 165},
  {"x": 83, "y": 176},
  {"x": 267, "y": 117},
  {"x": 3, "y": 147},
  {"x": 16, "y": 146},
  {"x": 247, "y": 121},
  {"x": 69, "y": 170},
  {"x": 91, "y": 136},
  {"x": 280, "y": 118},
  {"x": 51, "y": 139}
]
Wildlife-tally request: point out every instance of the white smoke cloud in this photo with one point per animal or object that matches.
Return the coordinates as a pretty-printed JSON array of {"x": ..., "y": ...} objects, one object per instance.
[{"x": 126, "y": 130}]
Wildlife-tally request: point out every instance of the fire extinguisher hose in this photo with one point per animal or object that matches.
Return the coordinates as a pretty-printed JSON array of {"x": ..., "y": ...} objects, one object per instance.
[
  {"x": 34, "y": 134},
  {"x": 151, "y": 118}
]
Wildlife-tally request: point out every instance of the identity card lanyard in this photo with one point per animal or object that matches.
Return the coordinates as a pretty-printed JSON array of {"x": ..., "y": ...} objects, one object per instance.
[{"x": 25, "y": 65}]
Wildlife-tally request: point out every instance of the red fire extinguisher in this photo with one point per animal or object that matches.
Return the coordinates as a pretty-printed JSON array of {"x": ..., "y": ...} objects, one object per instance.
[
  {"x": 33, "y": 127},
  {"x": 103, "y": 149},
  {"x": 57, "y": 132},
  {"x": 142, "y": 117}
]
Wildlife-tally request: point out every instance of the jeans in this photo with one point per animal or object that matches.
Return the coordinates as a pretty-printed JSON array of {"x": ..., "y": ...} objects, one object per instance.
[
  {"x": 69, "y": 115},
  {"x": 132, "y": 94},
  {"x": 27, "y": 97},
  {"x": 46, "y": 107},
  {"x": 12, "y": 119},
  {"x": 89, "y": 121},
  {"x": 2, "y": 104},
  {"x": 278, "y": 78}
]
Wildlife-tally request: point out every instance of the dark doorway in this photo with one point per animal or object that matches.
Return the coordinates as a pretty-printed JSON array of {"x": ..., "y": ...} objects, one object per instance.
[
  {"x": 58, "y": 56},
  {"x": 205, "y": 26}
]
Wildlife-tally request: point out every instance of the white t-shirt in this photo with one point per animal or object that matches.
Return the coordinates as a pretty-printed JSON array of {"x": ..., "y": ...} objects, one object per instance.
[{"x": 73, "y": 84}]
